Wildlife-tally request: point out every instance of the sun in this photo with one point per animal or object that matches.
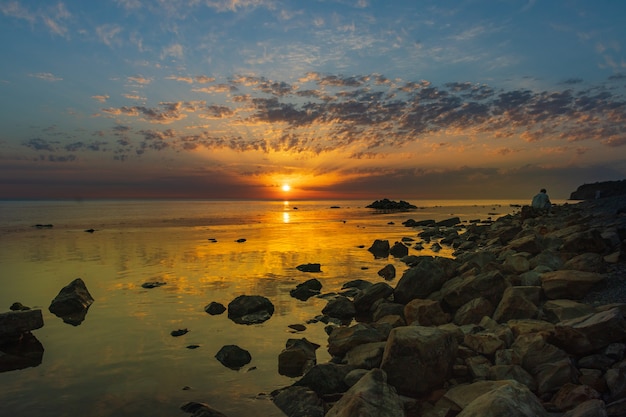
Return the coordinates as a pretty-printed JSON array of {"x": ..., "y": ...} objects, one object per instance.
[{"x": 286, "y": 187}]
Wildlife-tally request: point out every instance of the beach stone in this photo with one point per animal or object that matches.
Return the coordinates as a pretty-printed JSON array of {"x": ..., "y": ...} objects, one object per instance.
[
  {"x": 233, "y": 357},
  {"x": 515, "y": 372},
  {"x": 306, "y": 289},
  {"x": 569, "y": 284},
  {"x": 450, "y": 222},
  {"x": 250, "y": 309},
  {"x": 460, "y": 290},
  {"x": 201, "y": 410},
  {"x": 584, "y": 241},
  {"x": 72, "y": 302},
  {"x": 483, "y": 342},
  {"x": 512, "y": 400},
  {"x": 340, "y": 307},
  {"x": 526, "y": 326},
  {"x": 418, "y": 359},
  {"x": 419, "y": 281},
  {"x": 297, "y": 357},
  {"x": 473, "y": 311},
  {"x": 371, "y": 396},
  {"x": 563, "y": 309},
  {"x": 380, "y": 248},
  {"x": 547, "y": 259},
  {"x": 14, "y": 323},
  {"x": 299, "y": 401},
  {"x": 326, "y": 378},
  {"x": 460, "y": 396},
  {"x": 586, "y": 334},
  {"x": 478, "y": 366},
  {"x": 366, "y": 356},
  {"x": 386, "y": 308},
  {"x": 530, "y": 243},
  {"x": 388, "y": 272},
  {"x": 571, "y": 395},
  {"x": 517, "y": 263},
  {"x": 214, "y": 308},
  {"x": 590, "y": 408},
  {"x": 518, "y": 303},
  {"x": 342, "y": 339},
  {"x": 367, "y": 297},
  {"x": 311, "y": 267},
  {"x": 425, "y": 313},
  {"x": 588, "y": 262},
  {"x": 398, "y": 250}
]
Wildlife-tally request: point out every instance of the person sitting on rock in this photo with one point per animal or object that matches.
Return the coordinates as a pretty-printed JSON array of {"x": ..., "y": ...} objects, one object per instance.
[{"x": 541, "y": 201}]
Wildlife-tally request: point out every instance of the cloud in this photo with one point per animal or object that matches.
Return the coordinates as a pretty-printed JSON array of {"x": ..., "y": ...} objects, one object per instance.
[
  {"x": 108, "y": 34},
  {"x": 139, "y": 79},
  {"x": 46, "y": 76},
  {"x": 175, "y": 50},
  {"x": 15, "y": 9},
  {"x": 101, "y": 98}
]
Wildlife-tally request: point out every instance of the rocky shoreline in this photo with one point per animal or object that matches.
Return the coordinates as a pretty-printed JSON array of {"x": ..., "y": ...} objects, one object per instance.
[{"x": 528, "y": 320}]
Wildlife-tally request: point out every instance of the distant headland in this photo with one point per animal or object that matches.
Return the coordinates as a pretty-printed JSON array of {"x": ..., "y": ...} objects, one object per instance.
[{"x": 599, "y": 190}]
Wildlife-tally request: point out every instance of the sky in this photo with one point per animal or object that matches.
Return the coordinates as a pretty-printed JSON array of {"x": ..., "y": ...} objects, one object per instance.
[{"x": 350, "y": 99}]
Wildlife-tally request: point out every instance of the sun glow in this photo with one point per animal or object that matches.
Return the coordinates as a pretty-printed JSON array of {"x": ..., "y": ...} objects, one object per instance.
[{"x": 286, "y": 187}]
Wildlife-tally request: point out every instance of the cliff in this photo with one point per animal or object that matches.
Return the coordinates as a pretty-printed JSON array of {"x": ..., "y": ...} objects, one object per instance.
[{"x": 599, "y": 190}]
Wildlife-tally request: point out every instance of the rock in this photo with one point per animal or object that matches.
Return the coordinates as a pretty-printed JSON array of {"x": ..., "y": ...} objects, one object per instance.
[
  {"x": 588, "y": 262},
  {"x": 15, "y": 323},
  {"x": 399, "y": 250},
  {"x": 586, "y": 334},
  {"x": 380, "y": 248},
  {"x": 72, "y": 302},
  {"x": 371, "y": 396},
  {"x": 419, "y": 281},
  {"x": 599, "y": 190},
  {"x": 233, "y": 357},
  {"x": 17, "y": 306},
  {"x": 153, "y": 284},
  {"x": 390, "y": 205},
  {"x": 311, "y": 267},
  {"x": 386, "y": 308},
  {"x": 366, "y": 356},
  {"x": 571, "y": 395},
  {"x": 388, "y": 272},
  {"x": 300, "y": 401},
  {"x": 306, "y": 290},
  {"x": 250, "y": 309},
  {"x": 473, "y": 311},
  {"x": 460, "y": 396},
  {"x": 326, "y": 378},
  {"x": 453, "y": 221},
  {"x": 214, "y": 308},
  {"x": 561, "y": 310},
  {"x": 511, "y": 400},
  {"x": 343, "y": 339},
  {"x": 425, "y": 313},
  {"x": 22, "y": 352},
  {"x": 516, "y": 263},
  {"x": 515, "y": 372},
  {"x": 179, "y": 332},
  {"x": 297, "y": 357},
  {"x": 484, "y": 342},
  {"x": 460, "y": 290},
  {"x": 340, "y": 307},
  {"x": 568, "y": 284},
  {"x": 530, "y": 244},
  {"x": 367, "y": 297},
  {"x": 201, "y": 410},
  {"x": 418, "y": 359},
  {"x": 584, "y": 241},
  {"x": 518, "y": 303},
  {"x": 591, "y": 408}
]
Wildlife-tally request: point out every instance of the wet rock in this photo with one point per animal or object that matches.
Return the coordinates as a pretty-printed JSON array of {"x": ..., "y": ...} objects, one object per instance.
[
  {"x": 342, "y": 339},
  {"x": 250, "y": 309},
  {"x": 326, "y": 378},
  {"x": 233, "y": 357},
  {"x": 201, "y": 410},
  {"x": 367, "y": 297},
  {"x": 300, "y": 401},
  {"x": 17, "y": 306},
  {"x": 425, "y": 313},
  {"x": 452, "y": 221},
  {"x": 570, "y": 284},
  {"x": 473, "y": 311},
  {"x": 586, "y": 334},
  {"x": 72, "y": 302},
  {"x": 21, "y": 353},
  {"x": 14, "y": 324},
  {"x": 340, "y": 307},
  {"x": 388, "y": 272},
  {"x": 306, "y": 290},
  {"x": 179, "y": 332},
  {"x": 153, "y": 284},
  {"x": 398, "y": 250},
  {"x": 366, "y": 356},
  {"x": 297, "y": 357},
  {"x": 419, "y": 281},
  {"x": 311, "y": 267},
  {"x": 214, "y": 308},
  {"x": 380, "y": 248}
]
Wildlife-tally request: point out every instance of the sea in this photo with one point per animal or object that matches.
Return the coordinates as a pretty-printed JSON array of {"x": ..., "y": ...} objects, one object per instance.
[{"x": 122, "y": 360}]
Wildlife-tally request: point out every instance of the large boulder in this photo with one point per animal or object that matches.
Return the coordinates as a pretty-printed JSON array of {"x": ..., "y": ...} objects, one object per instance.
[
  {"x": 570, "y": 284},
  {"x": 511, "y": 400},
  {"x": 473, "y": 311},
  {"x": 380, "y": 248},
  {"x": 518, "y": 303},
  {"x": 371, "y": 396},
  {"x": 366, "y": 298},
  {"x": 419, "y": 281},
  {"x": 343, "y": 338},
  {"x": 460, "y": 290},
  {"x": 425, "y": 313},
  {"x": 300, "y": 401},
  {"x": 297, "y": 357},
  {"x": 72, "y": 302},
  {"x": 339, "y": 307},
  {"x": 326, "y": 378},
  {"x": 15, "y": 323},
  {"x": 419, "y": 359},
  {"x": 250, "y": 309}
]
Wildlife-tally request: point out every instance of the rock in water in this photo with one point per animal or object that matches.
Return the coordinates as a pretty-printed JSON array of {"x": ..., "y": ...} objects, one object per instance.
[
  {"x": 72, "y": 302},
  {"x": 250, "y": 309},
  {"x": 233, "y": 357}
]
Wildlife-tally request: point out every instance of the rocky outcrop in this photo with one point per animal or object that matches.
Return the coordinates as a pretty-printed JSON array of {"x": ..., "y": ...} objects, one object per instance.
[
  {"x": 599, "y": 190},
  {"x": 528, "y": 320},
  {"x": 390, "y": 205},
  {"x": 72, "y": 302}
]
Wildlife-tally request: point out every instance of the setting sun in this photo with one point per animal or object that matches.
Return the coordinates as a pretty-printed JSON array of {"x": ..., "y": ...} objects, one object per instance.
[{"x": 286, "y": 187}]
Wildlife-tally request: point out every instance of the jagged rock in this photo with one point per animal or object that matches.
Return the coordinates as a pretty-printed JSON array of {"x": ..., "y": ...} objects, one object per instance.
[
  {"x": 326, "y": 378},
  {"x": 452, "y": 221},
  {"x": 250, "y": 309},
  {"x": 15, "y": 323},
  {"x": 425, "y": 313},
  {"x": 460, "y": 290},
  {"x": 367, "y": 297},
  {"x": 339, "y": 307},
  {"x": 473, "y": 311},
  {"x": 586, "y": 334},
  {"x": 518, "y": 303},
  {"x": 306, "y": 289},
  {"x": 419, "y": 281},
  {"x": 572, "y": 395},
  {"x": 214, "y": 308},
  {"x": 72, "y": 302},
  {"x": 460, "y": 396},
  {"x": 380, "y": 248},
  {"x": 388, "y": 272},
  {"x": 390, "y": 205},
  {"x": 366, "y": 356},
  {"x": 418, "y": 359},
  {"x": 530, "y": 244},
  {"x": 386, "y": 308},
  {"x": 478, "y": 366},
  {"x": 588, "y": 262},
  {"x": 569, "y": 284},
  {"x": 342, "y": 339},
  {"x": 300, "y": 401},
  {"x": 297, "y": 357},
  {"x": 233, "y": 357},
  {"x": 563, "y": 309},
  {"x": 399, "y": 250},
  {"x": 511, "y": 400},
  {"x": 484, "y": 342},
  {"x": 516, "y": 263},
  {"x": 371, "y": 396}
]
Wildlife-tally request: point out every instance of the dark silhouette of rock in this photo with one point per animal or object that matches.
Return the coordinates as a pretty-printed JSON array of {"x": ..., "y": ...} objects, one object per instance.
[
  {"x": 14, "y": 324},
  {"x": 599, "y": 190},
  {"x": 453, "y": 221},
  {"x": 250, "y": 309},
  {"x": 179, "y": 332},
  {"x": 153, "y": 284},
  {"x": 390, "y": 205},
  {"x": 299, "y": 401},
  {"x": 306, "y": 290},
  {"x": 399, "y": 250},
  {"x": 24, "y": 353},
  {"x": 388, "y": 272},
  {"x": 340, "y": 307},
  {"x": 233, "y": 357},
  {"x": 72, "y": 302},
  {"x": 297, "y": 357},
  {"x": 17, "y": 306},
  {"x": 312, "y": 267},
  {"x": 380, "y": 248},
  {"x": 214, "y": 308},
  {"x": 201, "y": 410}
]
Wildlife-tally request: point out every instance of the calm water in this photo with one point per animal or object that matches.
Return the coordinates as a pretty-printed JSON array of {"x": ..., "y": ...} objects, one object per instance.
[{"x": 122, "y": 360}]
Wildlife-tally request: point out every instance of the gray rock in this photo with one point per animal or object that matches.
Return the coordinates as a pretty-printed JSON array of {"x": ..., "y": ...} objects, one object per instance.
[
  {"x": 233, "y": 357},
  {"x": 300, "y": 401},
  {"x": 250, "y": 309}
]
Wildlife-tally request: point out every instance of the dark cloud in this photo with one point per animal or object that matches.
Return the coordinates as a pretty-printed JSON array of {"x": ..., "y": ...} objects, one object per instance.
[{"x": 39, "y": 144}]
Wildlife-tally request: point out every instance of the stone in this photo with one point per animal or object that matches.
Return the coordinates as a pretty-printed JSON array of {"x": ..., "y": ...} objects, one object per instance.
[
  {"x": 518, "y": 303},
  {"x": 297, "y": 357},
  {"x": 419, "y": 281},
  {"x": 326, "y": 378},
  {"x": 311, "y": 267},
  {"x": 530, "y": 243},
  {"x": 366, "y": 356},
  {"x": 15, "y": 323},
  {"x": 398, "y": 250},
  {"x": 388, "y": 272},
  {"x": 299, "y": 401},
  {"x": 568, "y": 284},
  {"x": 563, "y": 309},
  {"x": 380, "y": 248},
  {"x": 21, "y": 353},
  {"x": 452, "y": 221},
  {"x": 233, "y": 357},
  {"x": 343, "y": 339},
  {"x": 571, "y": 395},
  {"x": 590, "y": 408},
  {"x": 483, "y": 342},
  {"x": 516, "y": 263},
  {"x": 460, "y": 290},
  {"x": 515, "y": 372},
  {"x": 418, "y": 359},
  {"x": 425, "y": 313},
  {"x": 584, "y": 241},
  {"x": 201, "y": 410},
  {"x": 511, "y": 400},
  {"x": 214, "y": 308},
  {"x": 473, "y": 311},
  {"x": 460, "y": 396},
  {"x": 306, "y": 290},
  {"x": 478, "y": 367},
  {"x": 371, "y": 396},
  {"x": 72, "y": 302},
  {"x": 588, "y": 262},
  {"x": 340, "y": 307},
  {"x": 586, "y": 334},
  {"x": 250, "y": 309},
  {"x": 367, "y": 297}
]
